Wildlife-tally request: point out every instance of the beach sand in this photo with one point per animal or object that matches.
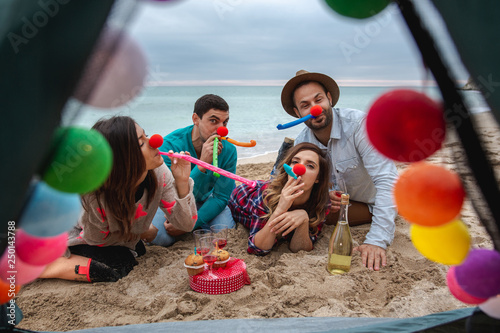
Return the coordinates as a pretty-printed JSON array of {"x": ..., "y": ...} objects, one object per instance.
[{"x": 283, "y": 284}]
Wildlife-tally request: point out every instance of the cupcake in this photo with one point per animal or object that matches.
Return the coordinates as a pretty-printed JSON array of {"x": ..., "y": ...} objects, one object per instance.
[
  {"x": 222, "y": 258},
  {"x": 194, "y": 264}
]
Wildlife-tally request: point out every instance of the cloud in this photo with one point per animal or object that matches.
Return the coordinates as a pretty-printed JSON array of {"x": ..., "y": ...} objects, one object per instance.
[{"x": 238, "y": 40}]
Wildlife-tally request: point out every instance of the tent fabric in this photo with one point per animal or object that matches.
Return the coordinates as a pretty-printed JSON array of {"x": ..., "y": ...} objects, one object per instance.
[
  {"x": 38, "y": 75},
  {"x": 43, "y": 50},
  {"x": 455, "y": 107},
  {"x": 474, "y": 26},
  {"x": 450, "y": 321}
]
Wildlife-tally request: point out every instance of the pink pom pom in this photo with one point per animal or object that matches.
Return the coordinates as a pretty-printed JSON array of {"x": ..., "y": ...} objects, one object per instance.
[
  {"x": 458, "y": 292},
  {"x": 39, "y": 251},
  {"x": 299, "y": 169},
  {"x": 120, "y": 78},
  {"x": 316, "y": 110},
  {"x": 222, "y": 131},
  {"x": 492, "y": 307},
  {"x": 24, "y": 273},
  {"x": 479, "y": 274},
  {"x": 155, "y": 141}
]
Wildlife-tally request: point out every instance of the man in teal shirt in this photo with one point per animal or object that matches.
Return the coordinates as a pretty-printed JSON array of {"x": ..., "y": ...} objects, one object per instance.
[{"x": 212, "y": 193}]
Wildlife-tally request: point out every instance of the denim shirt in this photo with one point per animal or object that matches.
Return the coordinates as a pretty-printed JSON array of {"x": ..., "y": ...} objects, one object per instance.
[{"x": 369, "y": 176}]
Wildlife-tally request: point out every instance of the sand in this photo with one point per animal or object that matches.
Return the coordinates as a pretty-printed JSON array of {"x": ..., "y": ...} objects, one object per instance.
[{"x": 283, "y": 284}]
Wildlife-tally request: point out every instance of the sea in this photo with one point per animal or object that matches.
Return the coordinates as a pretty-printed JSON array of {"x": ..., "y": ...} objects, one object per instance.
[{"x": 254, "y": 111}]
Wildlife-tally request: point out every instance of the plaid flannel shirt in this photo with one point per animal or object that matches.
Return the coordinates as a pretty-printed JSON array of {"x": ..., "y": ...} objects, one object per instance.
[{"x": 247, "y": 206}]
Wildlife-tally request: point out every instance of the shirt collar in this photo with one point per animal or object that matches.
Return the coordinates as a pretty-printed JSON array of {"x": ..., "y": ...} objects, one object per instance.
[
  {"x": 336, "y": 128},
  {"x": 335, "y": 132}
]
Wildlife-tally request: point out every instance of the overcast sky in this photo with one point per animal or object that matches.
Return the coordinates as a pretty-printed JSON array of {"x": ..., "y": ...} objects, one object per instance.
[{"x": 266, "y": 41}]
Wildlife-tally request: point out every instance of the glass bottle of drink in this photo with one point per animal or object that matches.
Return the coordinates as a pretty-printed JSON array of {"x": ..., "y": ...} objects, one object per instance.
[{"x": 340, "y": 246}]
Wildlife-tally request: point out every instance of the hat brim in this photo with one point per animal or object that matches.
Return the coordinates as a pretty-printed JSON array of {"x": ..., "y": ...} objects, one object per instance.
[{"x": 286, "y": 94}]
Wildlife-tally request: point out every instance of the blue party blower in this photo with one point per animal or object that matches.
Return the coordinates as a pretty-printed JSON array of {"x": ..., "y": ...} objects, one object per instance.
[
  {"x": 289, "y": 171},
  {"x": 315, "y": 111}
]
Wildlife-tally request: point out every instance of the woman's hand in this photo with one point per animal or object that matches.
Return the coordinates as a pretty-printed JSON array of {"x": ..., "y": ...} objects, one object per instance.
[
  {"x": 291, "y": 191},
  {"x": 288, "y": 221},
  {"x": 181, "y": 170}
]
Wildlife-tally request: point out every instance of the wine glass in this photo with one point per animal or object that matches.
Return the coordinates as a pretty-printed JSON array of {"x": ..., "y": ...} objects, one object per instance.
[
  {"x": 207, "y": 251},
  {"x": 197, "y": 235},
  {"x": 220, "y": 233},
  {"x": 338, "y": 185},
  {"x": 341, "y": 183}
]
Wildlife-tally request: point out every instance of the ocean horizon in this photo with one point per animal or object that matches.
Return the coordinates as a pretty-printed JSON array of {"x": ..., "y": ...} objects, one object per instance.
[{"x": 254, "y": 111}]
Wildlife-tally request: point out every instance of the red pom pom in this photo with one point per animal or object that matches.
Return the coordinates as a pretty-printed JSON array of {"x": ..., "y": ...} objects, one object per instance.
[
  {"x": 155, "y": 141},
  {"x": 316, "y": 110},
  {"x": 299, "y": 169},
  {"x": 406, "y": 125},
  {"x": 222, "y": 131}
]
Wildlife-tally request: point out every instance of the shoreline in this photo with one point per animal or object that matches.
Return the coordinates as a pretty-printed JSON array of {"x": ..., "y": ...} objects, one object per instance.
[
  {"x": 484, "y": 120},
  {"x": 264, "y": 158}
]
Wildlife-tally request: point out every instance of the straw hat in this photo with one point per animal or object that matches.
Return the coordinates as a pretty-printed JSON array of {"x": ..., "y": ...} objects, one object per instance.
[{"x": 301, "y": 76}]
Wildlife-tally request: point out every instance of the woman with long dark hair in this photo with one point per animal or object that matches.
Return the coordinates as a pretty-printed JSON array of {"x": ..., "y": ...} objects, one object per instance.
[
  {"x": 107, "y": 238},
  {"x": 284, "y": 207}
]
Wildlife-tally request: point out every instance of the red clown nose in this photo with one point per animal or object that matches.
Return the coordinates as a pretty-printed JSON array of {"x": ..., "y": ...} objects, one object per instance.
[
  {"x": 299, "y": 169},
  {"x": 222, "y": 131},
  {"x": 316, "y": 110},
  {"x": 155, "y": 141}
]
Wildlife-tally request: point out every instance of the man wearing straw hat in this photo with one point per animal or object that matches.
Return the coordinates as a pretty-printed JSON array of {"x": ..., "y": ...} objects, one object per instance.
[{"x": 358, "y": 168}]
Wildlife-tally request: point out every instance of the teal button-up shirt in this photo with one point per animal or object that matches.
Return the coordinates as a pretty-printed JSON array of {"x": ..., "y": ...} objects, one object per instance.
[{"x": 212, "y": 192}]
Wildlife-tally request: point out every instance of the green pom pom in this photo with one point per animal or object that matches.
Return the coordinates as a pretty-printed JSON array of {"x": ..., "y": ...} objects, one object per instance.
[
  {"x": 81, "y": 162},
  {"x": 359, "y": 9}
]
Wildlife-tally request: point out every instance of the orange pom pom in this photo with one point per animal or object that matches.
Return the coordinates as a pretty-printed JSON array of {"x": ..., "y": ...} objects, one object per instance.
[
  {"x": 429, "y": 195},
  {"x": 6, "y": 293}
]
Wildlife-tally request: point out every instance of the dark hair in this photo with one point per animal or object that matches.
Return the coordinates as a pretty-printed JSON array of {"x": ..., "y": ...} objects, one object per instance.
[
  {"x": 303, "y": 83},
  {"x": 315, "y": 206},
  {"x": 118, "y": 191},
  {"x": 207, "y": 102}
]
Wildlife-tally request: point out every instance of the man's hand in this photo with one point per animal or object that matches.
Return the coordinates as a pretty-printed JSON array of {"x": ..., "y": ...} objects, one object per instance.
[
  {"x": 150, "y": 235},
  {"x": 372, "y": 256},
  {"x": 335, "y": 197},
  {"x": 173, "y": 231},
  {"x": 207, "y": 150}
]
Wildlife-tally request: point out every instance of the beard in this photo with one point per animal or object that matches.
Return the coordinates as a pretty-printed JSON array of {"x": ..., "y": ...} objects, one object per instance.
[{"x": 327, "y": 121}]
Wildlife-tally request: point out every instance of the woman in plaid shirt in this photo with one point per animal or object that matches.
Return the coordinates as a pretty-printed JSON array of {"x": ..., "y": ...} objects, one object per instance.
[{"x": 284, "y": 207}]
